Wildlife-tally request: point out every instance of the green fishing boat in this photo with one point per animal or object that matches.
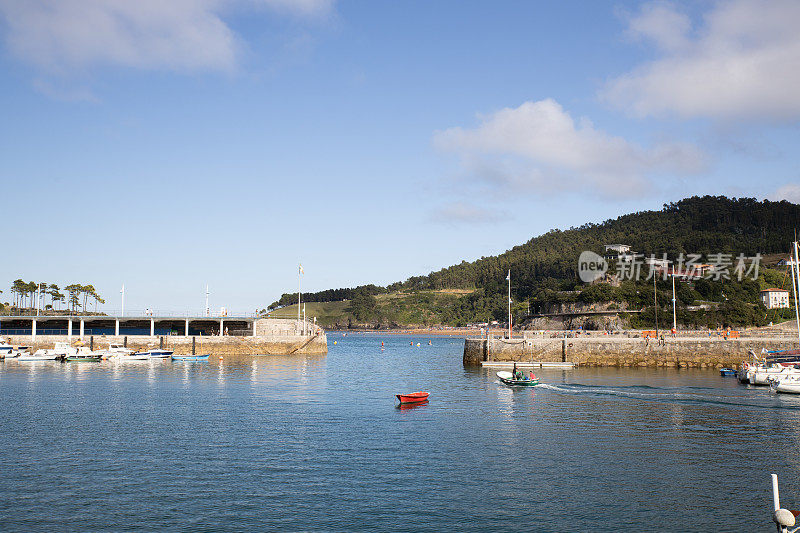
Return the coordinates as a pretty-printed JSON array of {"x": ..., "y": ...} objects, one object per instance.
[
  {"x": 83, "y": 355},
  {"x": 508, "y": 379}
]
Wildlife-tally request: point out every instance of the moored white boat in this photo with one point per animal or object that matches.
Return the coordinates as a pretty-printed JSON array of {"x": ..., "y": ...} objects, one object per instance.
[
  {"x": 116, "y": 350},
  {"x": 764, "y": 373},
  {"x": 788, "y": 381},
  {"x": 59, "y": 351},
  {"x": 143, "y": 356},
  {"x": 156, "y": 353},
  {"x": 39, "y": 355}
]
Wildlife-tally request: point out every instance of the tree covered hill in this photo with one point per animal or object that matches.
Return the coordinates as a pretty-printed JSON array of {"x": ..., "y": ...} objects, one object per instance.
[
  {"x": 701, "y": 225},
  {"x": 544, "y": 269}
]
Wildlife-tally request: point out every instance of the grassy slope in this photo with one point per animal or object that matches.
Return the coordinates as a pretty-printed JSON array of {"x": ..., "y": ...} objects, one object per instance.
[{"x": 400, "y": 308}]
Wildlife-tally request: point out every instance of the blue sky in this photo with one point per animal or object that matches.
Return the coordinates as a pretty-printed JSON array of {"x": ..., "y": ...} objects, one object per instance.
[{"x": 166, "y": 145}]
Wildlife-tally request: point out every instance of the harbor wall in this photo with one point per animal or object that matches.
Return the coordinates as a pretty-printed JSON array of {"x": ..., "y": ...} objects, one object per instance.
[
  {"x": 261, "y": 345},
  {"x": 679, "y": 352}
]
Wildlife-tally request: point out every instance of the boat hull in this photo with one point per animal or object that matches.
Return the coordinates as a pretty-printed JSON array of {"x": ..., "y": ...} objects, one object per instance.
[
  {"x": 37, "y": 357},
  {"x": 414, "y": 397},
  {"x": 786, "y": 388},
  {"x": 190, "y": 357}
]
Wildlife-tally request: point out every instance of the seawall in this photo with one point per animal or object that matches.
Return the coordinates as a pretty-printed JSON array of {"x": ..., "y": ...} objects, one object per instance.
[
  {"x": 679, "y": 352},
  {"x": 261, "y": 345}
]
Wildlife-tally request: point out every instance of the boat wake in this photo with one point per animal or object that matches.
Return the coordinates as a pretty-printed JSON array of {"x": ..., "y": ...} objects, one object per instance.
[{"x": 682, "y": 395}]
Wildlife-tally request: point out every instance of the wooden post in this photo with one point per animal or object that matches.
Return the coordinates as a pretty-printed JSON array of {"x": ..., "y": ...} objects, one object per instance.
[
  {"x": 91, "y": 343},
  {"x": 563, "y": 350},
  {"x": 193, "y": 345},
  {"x": 161, "y": 343},
  {"x": 125, "y": 341}
]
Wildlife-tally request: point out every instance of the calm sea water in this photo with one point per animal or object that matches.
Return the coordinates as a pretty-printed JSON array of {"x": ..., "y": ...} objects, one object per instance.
[{"x": 318, "y": 444}]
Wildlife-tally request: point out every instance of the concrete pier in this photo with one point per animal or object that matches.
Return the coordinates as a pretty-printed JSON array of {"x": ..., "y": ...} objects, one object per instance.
[{"x": 679, "y": 352}]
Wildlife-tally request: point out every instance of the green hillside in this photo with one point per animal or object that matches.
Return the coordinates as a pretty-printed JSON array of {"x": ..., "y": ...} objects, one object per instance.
[
  {"x": 396, "y": 309},
  {"x": 544, "y": 270}
]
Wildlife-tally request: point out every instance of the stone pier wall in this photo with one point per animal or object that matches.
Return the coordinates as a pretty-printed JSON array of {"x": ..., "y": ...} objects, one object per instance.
[
  {"x": 694, "y": 352},
  {"x": 261, "y": 345}
]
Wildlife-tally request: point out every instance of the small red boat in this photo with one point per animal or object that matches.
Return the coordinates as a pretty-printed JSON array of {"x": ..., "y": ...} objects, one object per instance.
[{"x": 413, "y": 397}]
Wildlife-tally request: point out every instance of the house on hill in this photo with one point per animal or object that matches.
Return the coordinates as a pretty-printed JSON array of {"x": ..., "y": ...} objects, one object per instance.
[{"x": 775, "y": 298}]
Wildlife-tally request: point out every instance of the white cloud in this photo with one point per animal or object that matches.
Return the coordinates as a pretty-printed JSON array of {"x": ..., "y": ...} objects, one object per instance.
[
  {"x": 661, "y": 23},
  {"x": 538, "y": 145},
  {"x": 187, "y": 35},
  {"x": 789, "y": 192},
  {"x": 741, "y": 62}
]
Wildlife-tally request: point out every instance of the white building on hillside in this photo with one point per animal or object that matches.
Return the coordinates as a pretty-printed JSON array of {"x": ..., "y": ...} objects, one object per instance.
[
  {"x": 775, "y": 298},
  {"x": 619, "y": 248}
]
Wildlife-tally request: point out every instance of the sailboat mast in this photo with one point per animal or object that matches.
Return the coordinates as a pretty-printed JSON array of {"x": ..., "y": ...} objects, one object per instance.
[{"x": 795, "y": 288}]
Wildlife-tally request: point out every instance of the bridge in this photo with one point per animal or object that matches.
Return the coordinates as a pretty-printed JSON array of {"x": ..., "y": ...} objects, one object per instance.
[{"x": 81, "y": 325}]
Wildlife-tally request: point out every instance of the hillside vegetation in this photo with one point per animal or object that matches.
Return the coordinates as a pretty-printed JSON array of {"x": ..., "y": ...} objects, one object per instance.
[{"x": 545, "y": 276}]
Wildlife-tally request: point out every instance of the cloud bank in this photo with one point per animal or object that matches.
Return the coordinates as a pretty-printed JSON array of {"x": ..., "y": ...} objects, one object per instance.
[
  {"x": 740, "y": 63},
  {"x": 185, "y": 35},
  {"x": 539, "y": 146},
  {"x": 789, "y": 192}
]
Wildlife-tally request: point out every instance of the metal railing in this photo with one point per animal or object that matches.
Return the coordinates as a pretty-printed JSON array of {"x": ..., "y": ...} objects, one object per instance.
[
  {"x": 129, "y": 313},
  {"x": 29, "y": 332}
]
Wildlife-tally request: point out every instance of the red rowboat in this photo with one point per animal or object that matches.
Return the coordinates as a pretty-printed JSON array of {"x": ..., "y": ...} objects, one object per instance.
[{"x": 413, "y": 397}]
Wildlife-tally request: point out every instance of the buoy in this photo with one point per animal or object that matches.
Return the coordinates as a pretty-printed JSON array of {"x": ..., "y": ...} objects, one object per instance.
[
  {"x": 334, "y": 342},
  {"x": 220, "y": 358},
  {"x": 417, "y": 344},
  {"x": 381, "y": 343}
]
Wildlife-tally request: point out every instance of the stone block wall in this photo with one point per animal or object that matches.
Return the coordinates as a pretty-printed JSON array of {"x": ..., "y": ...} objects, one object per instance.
[{"x": 694, "y": 352}]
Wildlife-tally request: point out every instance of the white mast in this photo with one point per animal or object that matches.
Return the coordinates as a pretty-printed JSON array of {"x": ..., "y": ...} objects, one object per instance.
[
  {"x": 509, "y": 303},
  {"x": 122, "y": 292},
  {"x": 674, "y": 313},
  {"x": 208, "y": 310},
  {"x": 795, "y": 288}
]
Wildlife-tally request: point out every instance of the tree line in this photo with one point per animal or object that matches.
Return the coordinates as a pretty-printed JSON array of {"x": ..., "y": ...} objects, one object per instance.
[
  {"x": 77, "y": 298},
  {"x": 329, "y": 295}
]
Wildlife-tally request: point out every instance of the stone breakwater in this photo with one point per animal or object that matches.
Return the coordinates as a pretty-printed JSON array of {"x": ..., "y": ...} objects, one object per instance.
[
  {"x": 261, "y": 345},
  {"x": 677, "y": 352}
]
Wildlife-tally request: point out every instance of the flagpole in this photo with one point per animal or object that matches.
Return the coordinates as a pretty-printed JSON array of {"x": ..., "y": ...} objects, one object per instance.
[
  {"x": 299, "y": 278},
  {"x": 122, "y": 311},
  {"x": 796, "y": 271}
]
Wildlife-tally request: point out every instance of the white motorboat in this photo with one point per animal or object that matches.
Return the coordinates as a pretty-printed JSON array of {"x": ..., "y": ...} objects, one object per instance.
[
  {"x": 39, "y": 355},
  {"x": 16, "y": 352},
  {"x": 787, "y": 381},
  {"x": 60, "y": 350},
  {"x": 789, "y": 385},
  {"x": 156, "y": 353},
  {"x": 133, "y": 357},
  {"x": 117, "y": 350},
  {"x": 762, "y": 374}
]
